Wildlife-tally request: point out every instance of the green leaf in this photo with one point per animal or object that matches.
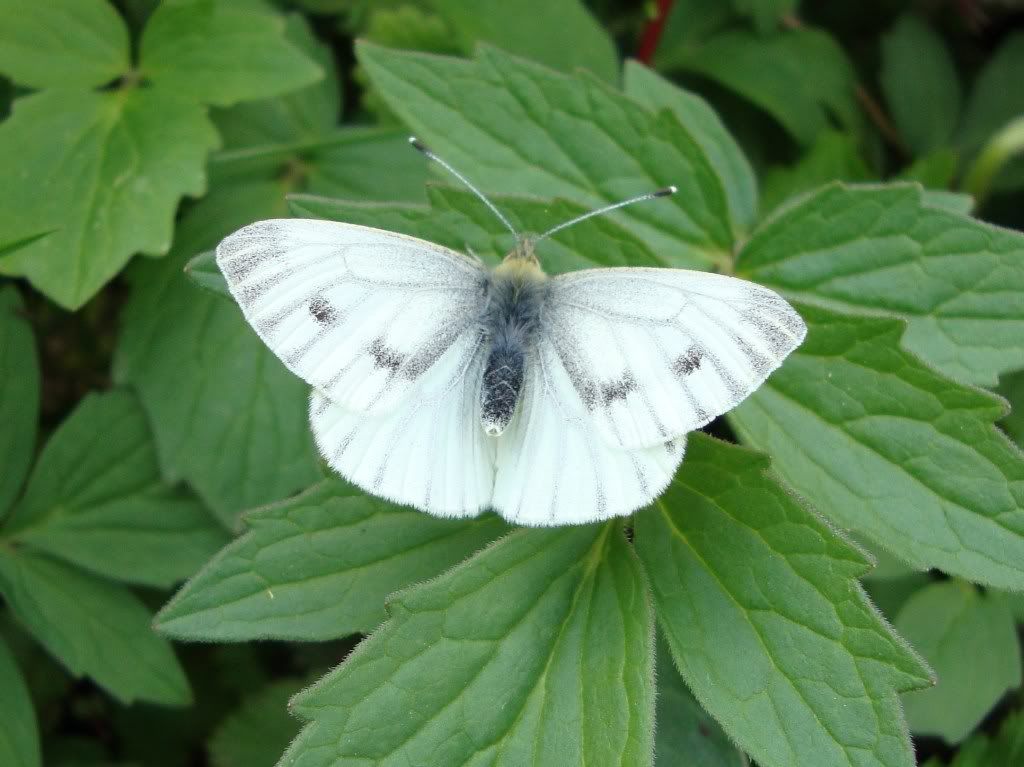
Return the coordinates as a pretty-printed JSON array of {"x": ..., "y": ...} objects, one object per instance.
[
  {"x": 951, "y": 202},
  {"x": 94, "y": 627},
  {"x": 303, "y": 114},
  {"x": 516, "y": 127},
  {"x": 227, "y": 416},
  {"x": 765, "y": 13},
  {"x": 96, "y": 499},
  {"x": 19, "y": 396},
  {"x": 1012, "y": 388},
  {"x": 1005, "y": 749},
  {"x": 222, "y": 55},
  {"x": 970, "y": 640},
  {"x": 890, "y": 594},
  {"x": 773, "y": 73},
  {"x": 892, "y": 450},
  {"x": 539, "y": 645},
  {"x": 834, "y": 157},
  {"x": 721, "y": 149},
  {"x": 319, "y": 566},
  {"x": 958, "y": 282},
  {"x": 759, "y": 601},
  {"x": 689, "y": 24},
  {"x": 457, "y": 219},
  {"x": 259, "y": 730},
  {"x": 62, "y": 43},
  {"x": 19, "y": 737},
  {"x": 996, "y": 97},
  {"x": 684, "y": 733},
  {"x": 203, "y": 271},
  {"x": 933, "y": 171},
  {"x": 106, "y": 170},
  {"x": 537, "y": 30},
  {"x": 921, "y": 84}
]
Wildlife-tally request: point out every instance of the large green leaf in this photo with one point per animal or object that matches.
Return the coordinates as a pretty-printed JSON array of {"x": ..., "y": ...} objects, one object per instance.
[
  {"x": 19, "y": 396},
  {"x": 220, "y": 54},
  {"x": 759, "y": 601},
  {"x": 65, "y": 43},
  {"x": 684, "y": 733},
  {"x": 227, "y": 416},
  {"x": 835, "y": 156},
  {"x": 95, "y": 498},
  {"x": 970, "y": 640},
  {"x": 458, "y": 219},
  {"x": 921, "y": 84},
  {"x": 19, "y": 736},
  {"x": 319, "y": 566},
  {"x": 893, "y": 450},
  {"x": 996, "y": 97},
  {"x": 93, "y": 627},
  {"x": 307, "y": 113},
  {"x": 537, "y": 649},
  {"x": 537, "y": 30},
  {"x": 517, "y": 127},
  {"x": 732, "y": 166},
  {"x": 958, "y": 282},
  {"x": 106, "y": 171},
  {"x": 774, "y": 73}
]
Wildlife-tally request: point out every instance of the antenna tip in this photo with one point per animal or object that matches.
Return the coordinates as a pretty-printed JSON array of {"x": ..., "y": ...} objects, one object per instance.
[
  {"x": 418, "y": 145},
  {"x": 666, "y": 191}
]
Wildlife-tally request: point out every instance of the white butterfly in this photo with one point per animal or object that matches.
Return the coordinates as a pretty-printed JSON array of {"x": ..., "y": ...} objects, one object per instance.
[{"x": 453, "y": 388}]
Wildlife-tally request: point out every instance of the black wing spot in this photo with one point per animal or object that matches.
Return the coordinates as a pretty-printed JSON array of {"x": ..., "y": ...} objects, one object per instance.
[
  {"x": 385, "y": 358},
  {"x": 618, "y": 390},
  {"x": 685, "y": 364},
  {"x": 322, "y": 311}
]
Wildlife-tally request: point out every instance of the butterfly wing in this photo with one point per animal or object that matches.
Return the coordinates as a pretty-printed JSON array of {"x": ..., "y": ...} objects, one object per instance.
[
  {"x": 655, "y": 353},
  {"x": 553, "y": 467},
  {"x": 359, "y": 313},
  {"x": 430, "y": 451}
]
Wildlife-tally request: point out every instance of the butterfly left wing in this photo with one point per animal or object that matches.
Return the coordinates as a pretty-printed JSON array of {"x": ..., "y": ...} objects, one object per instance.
[
  {"x": 553, "y": 467},
  {"x": 655, "y": 353},
  {"x": 429, "y": 452},
  {"x": 359, "y": 313}
]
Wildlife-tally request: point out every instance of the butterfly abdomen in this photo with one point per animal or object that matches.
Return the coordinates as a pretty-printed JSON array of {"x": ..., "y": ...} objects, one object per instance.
[{"x": 511, "y": 318}]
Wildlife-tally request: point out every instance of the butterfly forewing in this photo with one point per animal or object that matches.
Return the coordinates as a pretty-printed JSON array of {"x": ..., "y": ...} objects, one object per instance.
[
  {"x": 652, "y": 354},
  {"x": 359, "y": 313}
]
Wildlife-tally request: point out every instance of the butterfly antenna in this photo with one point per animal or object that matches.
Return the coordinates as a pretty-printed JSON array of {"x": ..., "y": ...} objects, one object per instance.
[
  {"x": 421, "y": 147},
  {"x": 608, "y": 208}
]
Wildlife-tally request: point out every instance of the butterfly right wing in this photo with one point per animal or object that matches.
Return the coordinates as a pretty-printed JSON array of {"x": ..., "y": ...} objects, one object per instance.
[
  {"x": 430, "y": 451},
  {"x": 359, "y": 313}
]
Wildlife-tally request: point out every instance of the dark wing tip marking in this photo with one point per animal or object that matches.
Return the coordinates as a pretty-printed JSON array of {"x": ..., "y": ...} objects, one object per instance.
[{"x": 321, "y": 310}]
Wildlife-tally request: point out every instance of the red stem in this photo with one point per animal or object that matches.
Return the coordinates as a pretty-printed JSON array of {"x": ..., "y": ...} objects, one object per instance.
[{"x": 652, "y": 32}]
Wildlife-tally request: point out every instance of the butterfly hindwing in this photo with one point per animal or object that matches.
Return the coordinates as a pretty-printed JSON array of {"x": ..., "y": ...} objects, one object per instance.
[
  {"x": 430, "y": 451},
  {"x": 359, "y": 313},
  {"x": 553, "y": 468},
  {"x": 655, "y": 353}
]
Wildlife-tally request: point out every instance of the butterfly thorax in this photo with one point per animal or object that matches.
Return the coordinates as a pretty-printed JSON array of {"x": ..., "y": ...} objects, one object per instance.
[{"x": 516, "y": 291}]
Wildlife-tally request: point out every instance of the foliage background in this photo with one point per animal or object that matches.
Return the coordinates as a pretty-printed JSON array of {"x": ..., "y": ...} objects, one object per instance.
[{"x": 140, "y": 417}]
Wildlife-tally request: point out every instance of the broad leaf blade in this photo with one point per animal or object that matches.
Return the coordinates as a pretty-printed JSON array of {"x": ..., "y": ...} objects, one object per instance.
[
  {"x": 62, "y": 43},
  {"x": 319, "y": 566},
  {"x": 222, "y": 55},
  {"x": 958, "y": 282},
  {"x": 732, "y": 166},
  {"x": 94, "y": 627},
  {"x": 760, "y": 605},
  {"x": 226, "y": 414},
  {"x": 970, "y": 640},
  {"x": 537, "y": 649},
  {"x": 95, "y": 498},
  {"x": 516, "y": 127},
  {"x": 107, "y": 170},
  {"x": 19, "y": 396},
  {"x": 921, "y": 84},
  {"x": 19, "y": 736},
  {"x": 892, "y": 450}
]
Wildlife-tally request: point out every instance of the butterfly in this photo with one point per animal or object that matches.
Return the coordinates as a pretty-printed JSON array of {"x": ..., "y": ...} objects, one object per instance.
[{"x": 453, "y": 388}]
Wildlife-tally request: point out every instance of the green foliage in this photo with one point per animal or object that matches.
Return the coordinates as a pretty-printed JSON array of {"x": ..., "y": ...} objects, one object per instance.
[{"x": 833, "y": 152}]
